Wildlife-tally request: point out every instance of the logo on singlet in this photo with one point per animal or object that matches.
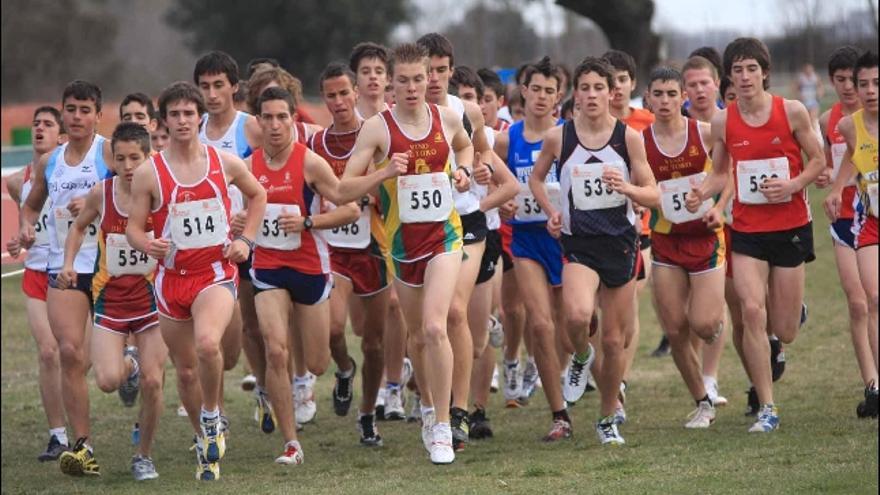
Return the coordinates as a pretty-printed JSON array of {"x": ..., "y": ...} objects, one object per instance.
[
  {"x": 693, "y": 151},
  {"x": 740, "y": 144},
  {"x": 776, "y": 140},
  {"x": 226, "y": 145},
  {"x": 263, "y": 179},
  {"x": 187, "y": 196}
]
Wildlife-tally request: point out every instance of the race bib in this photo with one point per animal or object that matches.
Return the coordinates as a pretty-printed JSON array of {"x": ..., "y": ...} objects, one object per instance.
[
  {"x": 528, "y": 209},
  {"x": 750, "y": 174},
  {"x": 673, "y": 194},
  {"x": 122, "y": 259},
  {"x": 351, "y": 235},
  {"x": 424, "y": 198},
  {"x": 589, "y": 192},
  {"x": 872, "y": 199},
  {"x": 271, "y": 235},
  {"x": 41, "y": 228},
  {"x": 198, "y": 224},
  {"x": 63, "y": 221}
]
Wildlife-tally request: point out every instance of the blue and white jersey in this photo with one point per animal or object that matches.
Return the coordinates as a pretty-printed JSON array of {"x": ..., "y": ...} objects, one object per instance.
[
  {"x": 65, "y": 183},
  {"x": 234, "y": 141},
  {"x": 521, "y": 157}
]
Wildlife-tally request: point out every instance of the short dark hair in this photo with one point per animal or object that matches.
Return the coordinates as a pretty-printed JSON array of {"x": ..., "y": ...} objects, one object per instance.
[
  {"x": 520, "y": 71},
  {"x": 367, "y": 49},
  {"x": 181, "y": 91},
  {"x": 161, "y": 124},
  {"x": 407, "y": 53},
  {"x": 725, "y": 84},
  {"x": 131, "y": 132},
  {"x": 82, "y": 90},
  {"x": 437, "y": 46},
  {"x": 333, "y": 70},
  {"x": 492, "y": 81},
  {"x": 276, "y": 93},
  {"x": 664, "y": 74},
  {"x": 598, "y": 65},
  {"x": 745, "y": 48},
  {"x": 620, "y": 60},
  {"x": 255, "y": 64},
  {"x": 546, "y": 68},
  {"x": 696, "y": 62},
  {"x": 56, "y": 115},
  {"x": 711, "y": 54},
  {"x": 465, "y": 76},
  {"x": 843, "y": 58},
  {"x": 216, "y": 62},
  {"x": 141, "y": 98},
  {"x": 567, "y": 106},
  {"x": 866, "y": 60}
]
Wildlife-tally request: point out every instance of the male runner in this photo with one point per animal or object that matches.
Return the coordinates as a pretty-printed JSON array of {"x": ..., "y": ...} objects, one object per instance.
[
  {"x": 411, "y": 146},
  {"x": 493, "y": 99},
  {"x": 47, "y": 131},
  {"x": 64, "y": 177},
  {"x": 762, "y": 137},
  {"x": 602, "y": 171},
  {"x": 185, "y": 194},
  {"x": 138, "y": 108},
  {"x": 122, "y": 290},
  {"x": 159, "y": 138}
]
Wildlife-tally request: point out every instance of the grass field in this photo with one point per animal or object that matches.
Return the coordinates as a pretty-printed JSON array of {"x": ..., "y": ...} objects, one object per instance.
[{"x": 820, "y": 448}]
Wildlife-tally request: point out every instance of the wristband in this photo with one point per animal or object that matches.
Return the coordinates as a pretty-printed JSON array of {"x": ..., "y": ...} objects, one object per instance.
[
  {"x": 490, "y": 167},
  {"x": 308, "y": 224},
  {"x": 365, "y": 201},
  {"x": 466, "y": 171},
  {"x": 250, "y": 243}
]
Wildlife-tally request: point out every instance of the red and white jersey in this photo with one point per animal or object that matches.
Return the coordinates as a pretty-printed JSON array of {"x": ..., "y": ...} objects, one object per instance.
[
  {"x": 194, "y": 217},
  {"x": 287, "y": 192},
  {"x": 38, "y": 254},
  {"x": 837, "y": 144},
  {"x": 759, "y": 153}
]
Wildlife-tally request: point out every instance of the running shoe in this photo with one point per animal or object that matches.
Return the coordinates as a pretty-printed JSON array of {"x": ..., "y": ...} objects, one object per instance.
[
  {"x": 205, "y": 471},
  {"x": 128, "y": 390},
  {"x": 142, "y": 468},
  {"x": 711, "y": 386},
  {"x": 292, "y": 454},
  {"x": 213, "y": 439},
  {"x": 394, "y": 404},
  {"x": 460, "y": 428},
  {"x": 181, "y": 411},
  {"x": 496, "y": 332},
  {"x": 407, "y": 374},
  {"x": 53, "y": 450},
  {"x": 619, "y": 415},
  {"x": 529, "y": 382},
  {"x": 415, "y": 412},
  {"x": 428, "y": 421},
  {"x": 575, "y": 383},
  {"x": 777, "y": 359},
  {"x": 560, "y": 430},
  {"x": 441, "y": 444},
  {"x": 479, "y": 425},
  {"x": 608, "y": 433},
  {"x": 366, "y": 426},
  {"x": 493, "y": 385},
  {"x": 265, "y": 413},
  {"x": 662, "y": 348},
  {"x": 79, "y": 461},
  {"x": 304, "y": 402},
  {"x": 868, "y": 407},
  {"x": 380, "y": 403},
  {"x": 701, "y": 417},
  {"x": 804, "y": 313},
  {"x": 768, "y": 420},
  {"x": 249, "y": 382},
  {"x": 512, "y": 383},
  {"x": 343, "y": 392}
]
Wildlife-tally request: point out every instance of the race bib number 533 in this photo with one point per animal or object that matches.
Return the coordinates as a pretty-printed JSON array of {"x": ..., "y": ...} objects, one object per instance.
[
  {"x": 271, "y": 235},
  {"x": 589, "y": 191}
]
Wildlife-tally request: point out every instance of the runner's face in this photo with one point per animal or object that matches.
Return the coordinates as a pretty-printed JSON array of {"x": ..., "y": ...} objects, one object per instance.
[
  {"x": 410, "y": 81},
  {"x": 489, "y": 106},
  {"x": 665, "y": 99},
  {"x": 182, "y": 118},
  {"x": 276, "y": 122},
  {"x": 159, "y": 139},
  {"x": 46, "y": 132},
  {"x": 623, "y": 88},
  {"x": 137, "y": 113},
  {"x": 80, "y": 118},
  {"x": 867, "y": 88},
  {"x": 592, "y": 94},
  {"x": 729, "y": 95},
  {"x": 438, "y": 79},
  {"x": 127, "y": 156},
  {"x": 467, "y": 93},
  {"x": 747, "y": 77},
  {"x": 340, "y": 98},
  {"x": 701, "y": 88},
  {"x": 540, "y": 95},
  {"x": 843, "y": 83},
  {"x": 372, "y": 77},
  {"x": 517, "y": 112},
  {"x": 217, "y": 92}
]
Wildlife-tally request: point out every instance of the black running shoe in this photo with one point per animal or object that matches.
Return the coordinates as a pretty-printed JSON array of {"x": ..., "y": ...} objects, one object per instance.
[
  {"x": 53, "y": 450},
  {"x": 777, "y": 359},
  {"x": 479, "y": 425},
  {"x": 460, "y": 428},
  {"x": 342, "y": 391},
  {"x": 868, "y": 408},
  {"x": 754, "y": 405},
  {"x": 662, "y": 348},
  {"x": 369, "y": 433}
]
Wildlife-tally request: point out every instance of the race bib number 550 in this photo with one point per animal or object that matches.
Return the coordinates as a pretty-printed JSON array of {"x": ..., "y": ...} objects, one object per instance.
[{"x": 424, "y": 197}]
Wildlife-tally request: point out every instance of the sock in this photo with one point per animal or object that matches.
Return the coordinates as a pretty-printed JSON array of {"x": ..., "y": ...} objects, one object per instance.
[
  {"x": 392, "y": 386},
  {"x": 293, "y": 443},
  {"x": 511, "y": 363},
  {"x": 561, "y": 414},
  {"x": 301, "y": 380},
  {"x": 704, "y": 399},
  {"x": 427, "y": 410},
  {"x": 60, "y": 434},
  {"x": 209, "y": 416},
  {"x": 582, "y": 357},
  {"x": 346, "y": 373},
  {"x": 361, "y": 414},
  {"x": 531, "y": 359},
  {"x": 135, "y": 367}
]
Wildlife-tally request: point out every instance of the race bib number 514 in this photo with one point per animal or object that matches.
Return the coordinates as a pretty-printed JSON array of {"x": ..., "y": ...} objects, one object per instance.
[{"x": 198, "y": 224}]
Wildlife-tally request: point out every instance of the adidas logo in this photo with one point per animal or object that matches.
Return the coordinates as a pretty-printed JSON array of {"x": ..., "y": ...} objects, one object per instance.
[
  {"x": 469, "y": 236},
  {"x": 776, "y": 140}
]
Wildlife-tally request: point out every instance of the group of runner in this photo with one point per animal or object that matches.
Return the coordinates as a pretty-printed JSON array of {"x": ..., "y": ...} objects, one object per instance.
[{"x": 441, "y": 231}]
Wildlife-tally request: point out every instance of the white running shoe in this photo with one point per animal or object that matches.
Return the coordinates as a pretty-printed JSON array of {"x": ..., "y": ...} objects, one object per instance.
[
  {"x": 575, "y": 383},
  {"x": 249, "y": 382},
  {"x": 512, "y": 383},
  {"x": 530, "y": 380},
  {"x": 711, "y": 386},
  {"x": 441, "y": 444},
  {"x": 181, "y": 411},
  {"x": 494, "y": 385},
  {"x": 496, "y": 332},
  {"x": 292, "y": 454},
  {"x": 304, "y": 402},
  {"x": 608, "y": 434},
  {"x": 428, "y": 421},
  {"x": 415, "y": 411},
  {"x": 394, "y": 404},
  {"x": 701, "y": 417},
  {"x": 407, "y": 371}
]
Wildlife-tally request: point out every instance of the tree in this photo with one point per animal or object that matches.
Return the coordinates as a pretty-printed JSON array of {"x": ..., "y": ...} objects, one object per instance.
[{"x": 304, "y": 35}]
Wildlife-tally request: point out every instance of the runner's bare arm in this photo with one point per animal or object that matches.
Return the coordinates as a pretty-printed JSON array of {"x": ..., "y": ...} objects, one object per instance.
[
  {"x": 13, "y": 185},
  {"x": 462, "y": 147},
  {"x": 368, "y": 149},
  {"x": 824, "y": 179},
  {"x": 253, "y": 132},
  {"x": 89, "y": 212},
  {"x": 475, "y": 115},
  {"x": 643, "y": 187},
  {"x": 847, "y": 170},
  {"x": 802, "y": 128},
  {"x": 145, "y": 196},
  {"x": 321, "y": 179},
  {"x": 253, "y": 193},
  {"x": 507, "y": 185},
  {"x": 719, "y": 175},
  {"x": 108, "y": 156},
  {"x": 30, "y": 210},
  {"x": 550, "y": 150}
]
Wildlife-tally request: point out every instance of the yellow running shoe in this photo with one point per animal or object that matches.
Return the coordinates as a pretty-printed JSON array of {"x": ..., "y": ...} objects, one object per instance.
[{"x": 80, "y": 461}]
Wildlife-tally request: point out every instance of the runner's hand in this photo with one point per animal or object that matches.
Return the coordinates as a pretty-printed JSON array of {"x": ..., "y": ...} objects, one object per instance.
[
  {"x": 291, "y": 223},
  {"x": 158, "y": 248},
  {"x": 66, "y": 278},
  {"x": 13, "y": 247},
  {"x": 508, "y": 210},
  {"x": 554, "y": 225},
  {"x": 482, "y": 173},
  {"x": 397, "y": 165},
  {"x": 777, "y": 190},
  {"x": 714, "y": 218},
  {"x": 27, "y": 236},
  {"x": 237, "y": 251},
  {"x": 239, "y": 220},
  {"x": 462, "y": 181},
  {"x": 693, "y": 200},
  {"x": 614, "y": 179},
  {"x": 832, "y": 205},
  {"x": 824, "y": 179},
  {"x": 76, "y": 204}
]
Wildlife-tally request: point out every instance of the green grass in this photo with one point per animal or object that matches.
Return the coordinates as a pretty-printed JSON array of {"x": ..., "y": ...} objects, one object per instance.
[{"x": 820, "y": 448}]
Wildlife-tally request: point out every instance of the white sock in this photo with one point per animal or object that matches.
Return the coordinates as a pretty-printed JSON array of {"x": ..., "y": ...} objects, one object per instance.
[
  {"x": 511, "y": 363},
  {"x": 210, "y": 415},
  {"x": 60, "y": 434},
  {"x": 295, "y": 444},
  {"x": 301, "y": 380},
  {"x": 347, "y": 373},
  {"x": 427, "y": 410},
  {"x": 531, "y": 359}
]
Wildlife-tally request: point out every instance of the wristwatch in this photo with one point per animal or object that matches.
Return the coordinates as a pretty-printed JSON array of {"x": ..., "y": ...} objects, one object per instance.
[{"x": 307, "y": 223}]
